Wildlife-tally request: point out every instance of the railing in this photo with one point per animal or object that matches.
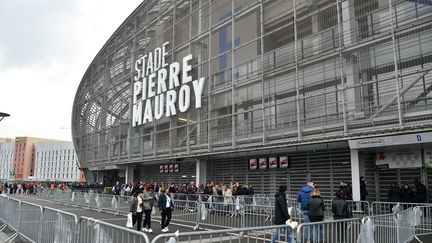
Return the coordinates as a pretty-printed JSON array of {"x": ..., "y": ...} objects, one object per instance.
[
  {"x": 253, "y": 234},
  {"x": 380, "y": 208},
  {"x": 100, "y": 232},
  {"x": 344, "y": 230},
  {"x": 39, "y": 224},
  {"x": 402, "y": 226},
  {"x": 36, "y": 223},
  {"x": 245, "y": 222}
]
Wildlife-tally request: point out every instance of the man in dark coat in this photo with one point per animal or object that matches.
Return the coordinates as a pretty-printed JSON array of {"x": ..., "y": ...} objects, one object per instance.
[
  {"x": 363, "y": 189},
  {"x": 394, "y": 193},
  {"x": 341, "y": 210},
  {"x": 420, "y": 191},
  {"x": 281, "y": 214}
]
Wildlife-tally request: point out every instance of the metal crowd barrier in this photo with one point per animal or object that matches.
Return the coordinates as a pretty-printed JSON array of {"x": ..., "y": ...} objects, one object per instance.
[
  {"x": 243, "y": 212},
  {"x": 401, "y": 226},
  {"x": 12, "y": 216},
  {"x": 343, "y": 230},
  {"x": 96, "y": 231},
  {"x": 259, "y": 201},
  {"x": 88, "y": 199},
  {"x": 202, "y": 209},
  {"x": 59, "y": 226},
  {"x": 252, "y": 234},
  {"x": 378, "y": 208},
  {"x": 29, "y": 219},
  {"x": 35, "y": 223}
]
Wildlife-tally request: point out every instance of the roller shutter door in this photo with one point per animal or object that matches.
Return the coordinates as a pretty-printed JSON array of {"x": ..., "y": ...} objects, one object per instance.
[
  {"x": 429, "y": 184},
  {"x": 370, "y": 174},
  {"x": 326, "y": 168},
  {"x": 263, "y": 181},
  {"x": 298, "y": 172}
]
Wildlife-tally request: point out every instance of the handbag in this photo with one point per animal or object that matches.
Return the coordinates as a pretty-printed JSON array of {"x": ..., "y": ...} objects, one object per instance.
[
  {"x": 129, "y": 221},
  {"x": 292, "y": 224}
]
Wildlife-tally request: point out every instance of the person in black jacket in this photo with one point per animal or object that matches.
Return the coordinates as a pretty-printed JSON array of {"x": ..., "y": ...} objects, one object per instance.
[
  {"x": 281, "y": 215},
  {"x": 341, "y": 210},
  {"x": 346, "y": 190},
  {"x": 394, "y": 195},
  {"x": 136, "y": 208},
  {"x": 316, "y": 214},
  {"x": 166, "y": 206},
  {"x": 407, "y": 194},
  {"x": 363, "y": 189},
  {"x": 394, "y": 192},
  {"x": 421, "y": 193}
]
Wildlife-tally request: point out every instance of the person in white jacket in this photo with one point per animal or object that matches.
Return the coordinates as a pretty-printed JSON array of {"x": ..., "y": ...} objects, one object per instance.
[{"x": 228, "y": 200}]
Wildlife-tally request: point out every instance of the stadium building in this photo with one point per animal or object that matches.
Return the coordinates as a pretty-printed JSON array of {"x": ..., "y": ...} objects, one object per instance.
[{"x": 265, "y": 92}]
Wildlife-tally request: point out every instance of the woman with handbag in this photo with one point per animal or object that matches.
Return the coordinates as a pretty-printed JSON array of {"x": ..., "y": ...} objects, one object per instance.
[
  {"x": 166, "y": 206},
  {"x": 136, "y": 209}
]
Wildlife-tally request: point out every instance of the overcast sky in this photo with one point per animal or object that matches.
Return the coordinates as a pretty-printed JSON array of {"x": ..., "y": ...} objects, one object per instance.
[{"x": 45, "y": 48}]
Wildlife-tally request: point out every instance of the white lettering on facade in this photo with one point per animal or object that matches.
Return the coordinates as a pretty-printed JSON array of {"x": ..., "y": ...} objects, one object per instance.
[{"x": 158, "y": 90}]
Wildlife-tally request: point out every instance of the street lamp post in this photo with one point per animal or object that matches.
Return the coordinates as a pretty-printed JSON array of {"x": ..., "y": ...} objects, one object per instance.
[{"x": 3, "y": 115}]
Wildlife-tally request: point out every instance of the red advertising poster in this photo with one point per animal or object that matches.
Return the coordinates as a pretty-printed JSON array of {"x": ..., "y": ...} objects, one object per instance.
[
  {"x": 283, "y": 162},
  {"x": 171, "y": 168},
  {"x": 176, "y": 168},
  {"x": 166, "y": 170},
  {"x": 253, "y": 164},
  {"x": 263, "y": 163},
  {"x": 272, "y": 162},
  {"x": 161, "y": 169}
]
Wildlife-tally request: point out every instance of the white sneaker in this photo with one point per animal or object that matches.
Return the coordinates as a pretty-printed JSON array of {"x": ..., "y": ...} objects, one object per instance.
[
  {"x": 145, "y": 229},
  {"x": 150, "y": 230},
  {"x": 165, "y": 230}
]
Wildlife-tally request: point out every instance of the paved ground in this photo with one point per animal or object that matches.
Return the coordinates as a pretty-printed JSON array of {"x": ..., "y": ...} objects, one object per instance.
[
  {"x": 106, "y": 217},
  {"x": 120, "y": 220}
]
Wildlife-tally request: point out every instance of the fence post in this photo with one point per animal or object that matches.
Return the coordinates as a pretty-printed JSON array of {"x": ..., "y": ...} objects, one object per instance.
[
  {"x": 39, "y": 240},
  {"x": 397, "y": 227},
  {"x": 242, "y": 216}
]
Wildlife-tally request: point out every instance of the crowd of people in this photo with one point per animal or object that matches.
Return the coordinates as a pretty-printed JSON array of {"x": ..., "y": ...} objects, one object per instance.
[
  {"x": 313, "y": 208},
  {"x": 31, "y": 187},
  {"x": 148, "y": 195},
  {"x": 309, "y": 198},
  {"x": 407, "y": 195},
  {"x": 210, "y": 188}
]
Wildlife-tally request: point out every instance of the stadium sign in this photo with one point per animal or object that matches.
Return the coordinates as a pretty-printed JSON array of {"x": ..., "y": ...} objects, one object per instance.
[{"x": 161, "y": 87}]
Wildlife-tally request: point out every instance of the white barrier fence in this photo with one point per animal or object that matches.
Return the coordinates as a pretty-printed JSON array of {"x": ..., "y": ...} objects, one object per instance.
[
  {"x": 38, "y": 224},
  {"x": 401, "y": 226},
  {"x": 35, "y": 223}
]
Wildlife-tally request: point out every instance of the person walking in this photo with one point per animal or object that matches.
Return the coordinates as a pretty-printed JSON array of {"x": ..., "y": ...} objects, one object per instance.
[
  {"x": 316, "y": 214},
  {"x": 137, "y": 210},
  {"x": 281, "y": 215},
  {"x": 303, "y": 198},
  {"x": 166, "y": 206},
  {"x": 341, "y": 210},
  {"x": 116, "y": 189},
  {"x": 147, "y": 205}
]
